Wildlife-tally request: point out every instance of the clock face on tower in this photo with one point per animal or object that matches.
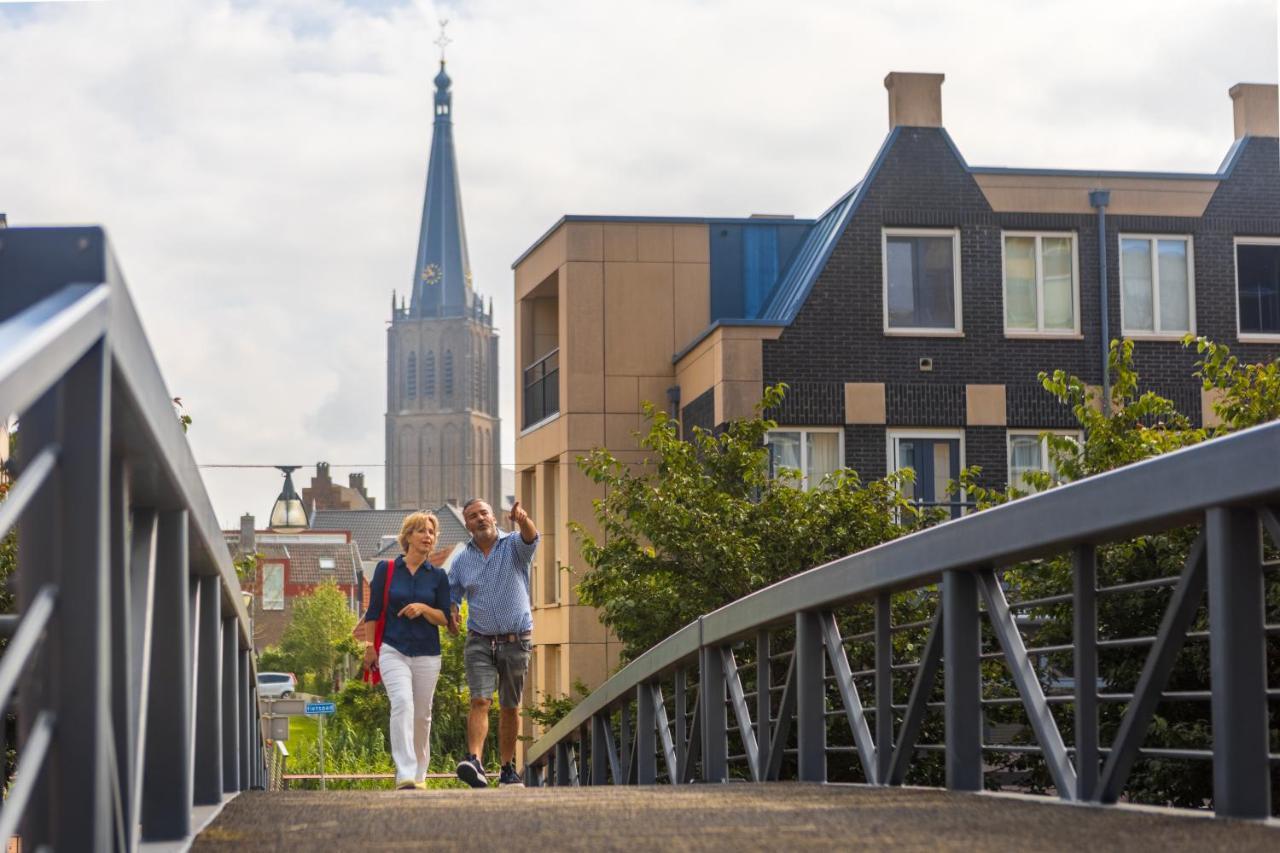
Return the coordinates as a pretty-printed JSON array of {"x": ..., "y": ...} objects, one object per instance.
[{"x": 431, "y": 274}]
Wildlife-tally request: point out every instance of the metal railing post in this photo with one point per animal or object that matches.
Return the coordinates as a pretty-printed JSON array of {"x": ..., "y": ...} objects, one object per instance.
[
  {"x": 884, "y": 687},
  {"x": 562, "y": 763},
  {"x": 231, "y": 736},
  {"x": 166, "y": 788},
  {"x": 680, "y": 710},
  {"x": 646, "y": 736},
  {"x": 39, "y": 533},
  {"x": 142, "y": 578},
  {"x": 811, "y": 701},
  {"x": 1085, "y": 619},
  {"x": 123, "y": 699},
  {"x": 962, "y": 679},
  {"x": 81, "y": 640},
  {"x": 599, "y": 747},
  {"x": 714, "y": 722},
  {"x": 248, "y": 716},
  {"x": 764, "y": 703},
  {"x": 1237, "y": 660},
  {"x": 208, "y": 711}
]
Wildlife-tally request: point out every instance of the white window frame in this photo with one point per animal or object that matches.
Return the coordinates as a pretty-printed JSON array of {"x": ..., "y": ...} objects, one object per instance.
[
  {"x": 913, "y": 331},
  {"x": 804, "y": 448},
  {"x": 909, "y": 432},
  {"x": 268, "y": 567},
  {"x": 1044, "y": 445},
  {"x": 1264, "y": 337},
  {"x": 1040, "y": 331},
  {"x": 1158, "y": 334}
]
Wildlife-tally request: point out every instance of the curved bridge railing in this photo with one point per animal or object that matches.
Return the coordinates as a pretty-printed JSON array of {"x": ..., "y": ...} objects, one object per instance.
[
  {"x": 762, "y": 688},
  {"x": 129, "y": 661}
]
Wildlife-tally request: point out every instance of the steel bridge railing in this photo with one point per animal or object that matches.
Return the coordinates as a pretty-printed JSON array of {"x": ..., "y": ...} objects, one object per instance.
[
  {"x": 129, "y": 662},
  {"x": 762, "y": 688}
]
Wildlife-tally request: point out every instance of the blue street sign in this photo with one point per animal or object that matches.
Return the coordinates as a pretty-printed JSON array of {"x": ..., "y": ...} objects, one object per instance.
[{"x": 314, "y": 708}]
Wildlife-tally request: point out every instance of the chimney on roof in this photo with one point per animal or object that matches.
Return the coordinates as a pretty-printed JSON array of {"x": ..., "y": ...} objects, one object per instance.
[
  {"x": 915, "y": 100},
  {"x": 1256, "y": 108},
  {"x": 248, "y": 545}
]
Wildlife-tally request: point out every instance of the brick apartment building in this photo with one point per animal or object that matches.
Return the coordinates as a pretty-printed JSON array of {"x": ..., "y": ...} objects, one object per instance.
[{"x": 910, "y": 321}]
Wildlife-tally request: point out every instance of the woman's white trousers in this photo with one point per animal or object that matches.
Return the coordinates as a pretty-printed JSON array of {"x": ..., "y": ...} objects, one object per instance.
[{"x": 411, "y": 685}]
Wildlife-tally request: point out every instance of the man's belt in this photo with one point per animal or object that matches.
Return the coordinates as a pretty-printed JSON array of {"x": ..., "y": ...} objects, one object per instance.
[{"x": 503, "y": 638}]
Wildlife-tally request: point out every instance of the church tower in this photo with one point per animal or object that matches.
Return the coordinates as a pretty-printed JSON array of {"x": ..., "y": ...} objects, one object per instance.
[{"x": 442, "y": 354}]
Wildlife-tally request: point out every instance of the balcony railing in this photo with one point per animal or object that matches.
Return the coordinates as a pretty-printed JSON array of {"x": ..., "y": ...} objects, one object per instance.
[{"x": 542, "y": 389}]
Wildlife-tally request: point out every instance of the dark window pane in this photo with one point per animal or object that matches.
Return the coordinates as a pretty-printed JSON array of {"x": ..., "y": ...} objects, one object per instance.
[
  {"x": 921, "y": 278},
  {"x": 902, "y": 300},
  {"x": 936, "y": 299},
  {"x": 1258, "y": 271}
]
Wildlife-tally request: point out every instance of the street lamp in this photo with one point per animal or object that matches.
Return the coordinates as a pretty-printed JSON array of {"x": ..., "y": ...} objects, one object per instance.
[{"x": 288, "y": 513}]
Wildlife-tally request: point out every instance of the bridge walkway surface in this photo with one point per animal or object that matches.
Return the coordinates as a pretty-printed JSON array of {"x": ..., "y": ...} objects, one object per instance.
[{"x": 786, "y": 815}]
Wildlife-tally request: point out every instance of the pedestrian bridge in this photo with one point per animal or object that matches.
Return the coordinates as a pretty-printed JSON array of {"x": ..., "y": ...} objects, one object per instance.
[
  {"x": 864, "y": 703},
  {"x": 781, "y": 816}
]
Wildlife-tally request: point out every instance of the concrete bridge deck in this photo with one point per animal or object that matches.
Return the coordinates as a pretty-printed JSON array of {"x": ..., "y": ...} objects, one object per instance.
[{"x": 793, "y": 816}]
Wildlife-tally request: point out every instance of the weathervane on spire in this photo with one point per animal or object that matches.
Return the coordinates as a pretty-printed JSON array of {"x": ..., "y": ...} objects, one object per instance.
[{"x": 443, "y": 40}]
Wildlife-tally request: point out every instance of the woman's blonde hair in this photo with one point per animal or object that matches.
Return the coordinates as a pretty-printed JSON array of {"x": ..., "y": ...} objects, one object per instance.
[{"x": 413, "y": 522}]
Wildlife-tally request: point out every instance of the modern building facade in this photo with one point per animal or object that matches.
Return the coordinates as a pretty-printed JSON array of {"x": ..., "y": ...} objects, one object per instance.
[
  {"x": 442, "y": 425},
  {"x": 910, "y": 321}
]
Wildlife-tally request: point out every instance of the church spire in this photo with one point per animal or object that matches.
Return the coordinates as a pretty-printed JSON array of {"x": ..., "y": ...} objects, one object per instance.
[{"x": 442, "y": 271}]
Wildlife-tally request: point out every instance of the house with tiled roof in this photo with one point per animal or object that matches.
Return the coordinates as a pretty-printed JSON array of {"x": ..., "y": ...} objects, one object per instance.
[
  {"x": 374, "y": 534},
  {"x": 289, "y": 566}
]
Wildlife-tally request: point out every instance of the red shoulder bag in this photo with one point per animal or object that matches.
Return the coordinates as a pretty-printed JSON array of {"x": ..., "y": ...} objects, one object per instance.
[{"x": 371, "y": 674}]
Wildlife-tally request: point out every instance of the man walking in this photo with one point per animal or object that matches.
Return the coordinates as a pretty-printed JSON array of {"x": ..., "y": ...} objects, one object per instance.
[{"x": 492, "y": 573}]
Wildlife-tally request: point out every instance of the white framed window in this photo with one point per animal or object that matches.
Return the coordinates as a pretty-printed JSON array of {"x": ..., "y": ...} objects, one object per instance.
[
  {"x": 327, "y": 563},
  {"x": 1258, "y": 288},
  {"x": 1041, "y": 283},
  {"x": 273, "y": 586},
  {"x": 921, "y": 292},
  {"x": 1157, "y": 286},
  {"x": 1029, "y": 451},
  {"x": 813, "y": 451},
  {"x": 936, "y": 457}
]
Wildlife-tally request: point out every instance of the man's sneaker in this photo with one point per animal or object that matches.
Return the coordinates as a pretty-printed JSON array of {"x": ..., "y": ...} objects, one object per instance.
[
  {"x": 509, "y": 778},
  {"x": 471, "y": 771},
  {"x": 407, "y": 785}
]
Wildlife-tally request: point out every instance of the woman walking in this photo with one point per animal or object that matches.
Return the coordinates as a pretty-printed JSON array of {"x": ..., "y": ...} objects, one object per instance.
[{"x": 402, "y": 625}]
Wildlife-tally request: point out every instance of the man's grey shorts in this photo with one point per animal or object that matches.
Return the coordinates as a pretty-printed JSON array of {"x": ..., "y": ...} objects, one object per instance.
[{"x": 496, "y": 665}]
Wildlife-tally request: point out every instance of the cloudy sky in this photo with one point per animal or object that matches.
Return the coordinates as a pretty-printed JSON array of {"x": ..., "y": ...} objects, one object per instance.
[{"x": 260, "y": 165}]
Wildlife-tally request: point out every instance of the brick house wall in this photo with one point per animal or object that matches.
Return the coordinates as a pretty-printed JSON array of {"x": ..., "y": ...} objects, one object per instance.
[{"x": 838, "y": 334}]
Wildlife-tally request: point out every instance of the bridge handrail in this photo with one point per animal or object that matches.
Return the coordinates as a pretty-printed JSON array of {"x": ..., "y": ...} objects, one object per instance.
[
  {"x": 132, "y": 654},
  {"x": 1157, "y": 494}
]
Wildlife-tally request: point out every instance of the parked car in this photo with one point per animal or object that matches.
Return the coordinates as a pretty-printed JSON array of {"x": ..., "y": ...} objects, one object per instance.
[{"x": 276, "y": 685}]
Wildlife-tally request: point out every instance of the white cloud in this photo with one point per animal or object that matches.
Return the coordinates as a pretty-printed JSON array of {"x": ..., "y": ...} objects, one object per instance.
[{"x": 260, "y": 165}]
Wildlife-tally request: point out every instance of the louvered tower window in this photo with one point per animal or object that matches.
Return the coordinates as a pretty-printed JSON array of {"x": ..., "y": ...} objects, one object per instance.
[
  {"x": 411, "y": 376},
  {"x": 429, "y": 374},
  {"x": 448, "y": 373}
]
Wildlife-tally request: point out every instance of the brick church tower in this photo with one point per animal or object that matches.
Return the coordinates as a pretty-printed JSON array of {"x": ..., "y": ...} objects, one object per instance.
[{"x": 442, "y": 354}]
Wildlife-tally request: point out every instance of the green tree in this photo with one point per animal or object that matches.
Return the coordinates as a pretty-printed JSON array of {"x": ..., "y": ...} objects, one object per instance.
[
  {"x": 319, "y": 634},
  {"x": 702, "y": 522}
]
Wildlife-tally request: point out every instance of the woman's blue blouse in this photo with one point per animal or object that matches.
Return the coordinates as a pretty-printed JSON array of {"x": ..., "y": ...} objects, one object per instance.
[{"x": 428, "y": 585}]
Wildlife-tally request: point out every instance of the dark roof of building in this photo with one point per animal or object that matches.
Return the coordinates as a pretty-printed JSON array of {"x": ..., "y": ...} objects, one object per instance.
[
  {"x": 369, "y": 527},
  {"x": 309, "y": 562}
]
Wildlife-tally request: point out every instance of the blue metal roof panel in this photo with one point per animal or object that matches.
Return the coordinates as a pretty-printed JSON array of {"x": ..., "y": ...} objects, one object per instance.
[{"x": 794, "y": 288}]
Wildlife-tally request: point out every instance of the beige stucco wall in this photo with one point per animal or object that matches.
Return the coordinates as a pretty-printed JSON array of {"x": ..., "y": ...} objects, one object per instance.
[
  {"x": 729, "y": 360},
  {"x": 1070, "y": 194},
  {"x": 626, "y": 296}
]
